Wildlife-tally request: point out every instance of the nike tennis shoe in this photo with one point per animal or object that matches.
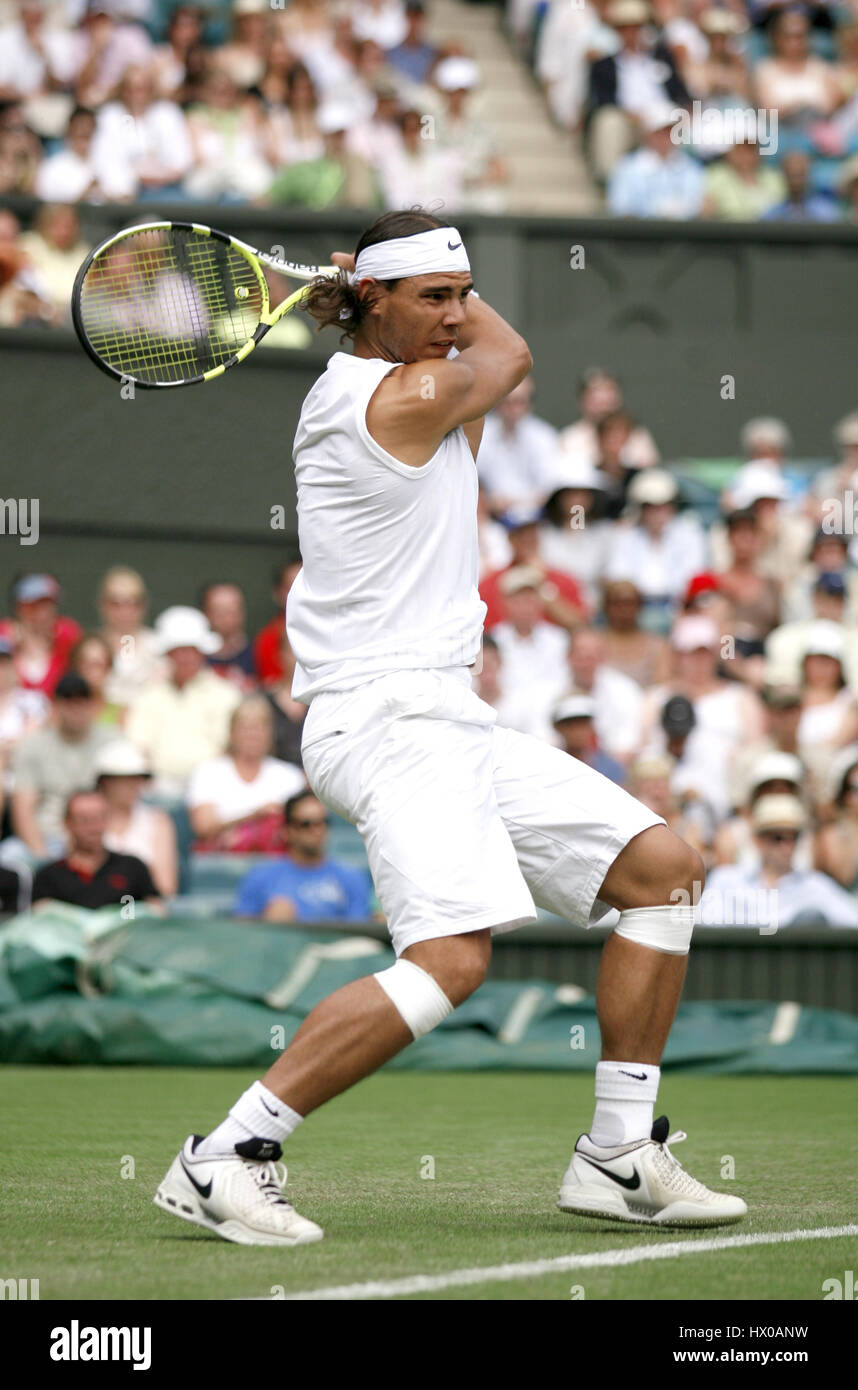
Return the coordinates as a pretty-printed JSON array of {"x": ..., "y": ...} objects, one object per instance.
[
  {"x": 237, "y": 1196},
  {"x": 643, "y": 1183}
]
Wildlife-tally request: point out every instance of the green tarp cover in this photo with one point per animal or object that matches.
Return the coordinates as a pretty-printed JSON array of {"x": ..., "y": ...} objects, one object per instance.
[{"x": 92, "y": 988}]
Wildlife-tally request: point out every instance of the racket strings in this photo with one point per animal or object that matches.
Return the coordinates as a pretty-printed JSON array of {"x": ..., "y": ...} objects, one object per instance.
[{"x": 169, "y": 304}]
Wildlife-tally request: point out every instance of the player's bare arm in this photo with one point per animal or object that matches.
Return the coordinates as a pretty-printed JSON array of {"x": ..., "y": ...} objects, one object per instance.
[
  {"x": 419, "y": 403},
  {"x": 417, "y": 323}
]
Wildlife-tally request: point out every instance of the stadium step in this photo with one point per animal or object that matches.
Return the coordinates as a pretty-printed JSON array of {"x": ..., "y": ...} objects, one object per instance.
[{"x": 546, "y": 172}]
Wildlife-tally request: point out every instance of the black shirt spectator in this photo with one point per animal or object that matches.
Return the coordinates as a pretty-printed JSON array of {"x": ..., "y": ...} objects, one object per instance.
[
  {"x": 90, "y": 875},
  {"x": 119, "y": 876},
  {"x": 604, "y": 79}
]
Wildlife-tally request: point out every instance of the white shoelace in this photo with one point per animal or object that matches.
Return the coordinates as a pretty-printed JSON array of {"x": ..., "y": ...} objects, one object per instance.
[
  {"x": 267, "y": 1177},
  {"x": 671, "y": 1171}
]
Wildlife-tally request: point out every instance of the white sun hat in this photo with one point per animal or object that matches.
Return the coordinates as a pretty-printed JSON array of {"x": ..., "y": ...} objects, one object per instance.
[
  {"x": 184, "y": 627},
  {"x": 576, "y": 471},
  {"x": 121, "y": 758},
  {"x": 755, "y": 481},
  {"x": 457, "y": 74},
  {"x": 652, "y": 486},
  {"x": 778, "y": 813}
]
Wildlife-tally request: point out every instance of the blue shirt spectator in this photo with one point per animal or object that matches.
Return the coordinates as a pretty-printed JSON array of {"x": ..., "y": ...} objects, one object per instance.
[
  {"x": 659, "y": 180},
  {"x": 305, "y": 885},
  {"x": 801, "y": 204},
  {"x": 816, "y": 207},
  {"x": 322, "y": 890},
  {"x": 415, "y": 56},
  {"x": 771, "y": 892},
  {"x": 573, "y": 720}
]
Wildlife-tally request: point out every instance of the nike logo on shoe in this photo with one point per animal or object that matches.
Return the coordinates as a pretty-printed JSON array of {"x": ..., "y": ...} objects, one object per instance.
[
  {"x": 204, "y": 1191},
  {"x": 632, "y": 1074},
  {"x": 631, "y": 1183}
]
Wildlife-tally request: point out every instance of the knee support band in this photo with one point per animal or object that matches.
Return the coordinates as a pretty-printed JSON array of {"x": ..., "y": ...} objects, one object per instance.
[
  {"x": 416, "y": 995},
  {"x": 666, "y": 929}
]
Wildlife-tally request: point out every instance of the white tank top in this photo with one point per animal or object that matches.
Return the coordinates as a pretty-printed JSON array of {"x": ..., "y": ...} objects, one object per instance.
[{"x": 390, "y": 554}]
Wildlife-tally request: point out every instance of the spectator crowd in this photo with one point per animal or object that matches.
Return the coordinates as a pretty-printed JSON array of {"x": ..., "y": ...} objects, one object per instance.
[
  {"x": 308, "y": 104},
  {"x": 725, "y": 109},
  {"x": 737, "y": 110},
  {"x": 708, "y": 664},
  {"x": 304, "y": 105},
  {"x": 708, "y": 667},
  {"x": 128, "y": 750}
]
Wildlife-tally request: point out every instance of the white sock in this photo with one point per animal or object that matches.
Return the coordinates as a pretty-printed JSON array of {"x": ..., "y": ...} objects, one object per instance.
[
  {"x": 625, "y": 1096},
  {"x": 258, "y": 1114}
]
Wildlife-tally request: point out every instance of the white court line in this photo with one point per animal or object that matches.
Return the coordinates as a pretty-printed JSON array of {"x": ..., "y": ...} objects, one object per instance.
[{"x": 534, "y": 1269}]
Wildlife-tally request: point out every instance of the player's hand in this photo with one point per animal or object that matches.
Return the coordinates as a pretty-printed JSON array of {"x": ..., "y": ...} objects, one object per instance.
[{"x": 343, "y": 259}]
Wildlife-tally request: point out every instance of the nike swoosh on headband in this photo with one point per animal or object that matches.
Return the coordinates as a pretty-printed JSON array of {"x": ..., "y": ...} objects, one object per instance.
[{"x": 432, "y": 252}]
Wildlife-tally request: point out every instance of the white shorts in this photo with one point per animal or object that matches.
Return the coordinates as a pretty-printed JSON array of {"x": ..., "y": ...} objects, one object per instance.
[{"x": 466, "y": 825}]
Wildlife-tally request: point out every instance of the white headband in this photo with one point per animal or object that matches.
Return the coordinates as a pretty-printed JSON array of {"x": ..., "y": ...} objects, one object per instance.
[{"x": 425, "y": 253}]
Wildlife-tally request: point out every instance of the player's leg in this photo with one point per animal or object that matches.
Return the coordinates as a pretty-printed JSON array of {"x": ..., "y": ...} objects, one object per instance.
[
  {"x": 357, "y": 1029},
  {"x": 419, "y": 788},
  {"x": 584, "y": 845},
  {"x": 226, "y": 1181},
  {"x": 639, "y": 987}
]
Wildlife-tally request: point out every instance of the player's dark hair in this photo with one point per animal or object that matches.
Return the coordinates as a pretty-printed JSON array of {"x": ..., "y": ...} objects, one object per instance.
[
  {"x": 336, "y": 303},
  {"x": 289, "y": 808}
]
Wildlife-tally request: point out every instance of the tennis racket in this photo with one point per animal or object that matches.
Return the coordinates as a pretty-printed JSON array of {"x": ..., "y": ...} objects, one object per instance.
[{"x": 175, "y": 303}]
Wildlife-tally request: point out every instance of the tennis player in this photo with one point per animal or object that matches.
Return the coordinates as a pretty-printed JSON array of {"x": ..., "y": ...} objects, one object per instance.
[{"x": 467, "y": 826}]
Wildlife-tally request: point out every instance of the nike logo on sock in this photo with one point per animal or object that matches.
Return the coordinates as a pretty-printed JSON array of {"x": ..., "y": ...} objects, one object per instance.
[
  {"x": 204, "y": 1191},
  {"x": 451, "y": 247},
  {"x": 631, "y": 1183},
  {"x": 632, "y": 1074},
  {"x": 270, "y": 1111}
]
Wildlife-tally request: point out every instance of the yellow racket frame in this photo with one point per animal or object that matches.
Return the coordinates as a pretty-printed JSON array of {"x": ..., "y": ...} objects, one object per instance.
[{"x": 256, "y": 259}]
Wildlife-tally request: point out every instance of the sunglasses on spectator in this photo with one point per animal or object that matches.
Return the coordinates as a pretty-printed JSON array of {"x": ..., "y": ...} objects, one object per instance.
[
  {"x": 780, "y": 837},
  {"x": 309, "y": 821}
]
